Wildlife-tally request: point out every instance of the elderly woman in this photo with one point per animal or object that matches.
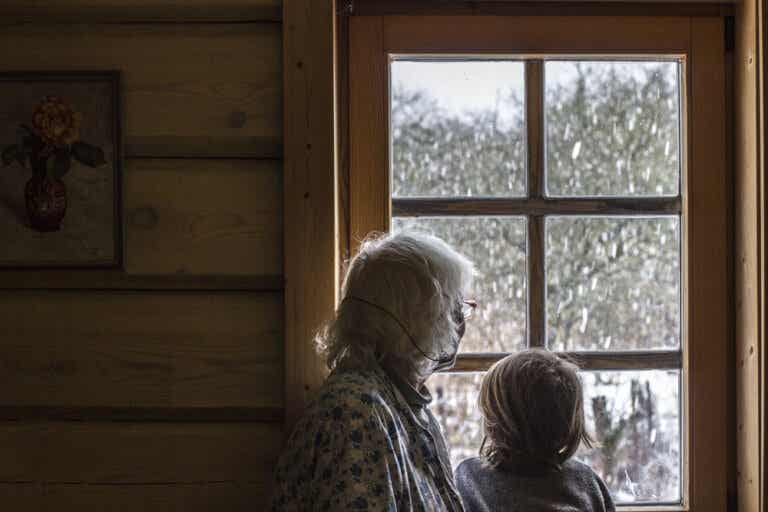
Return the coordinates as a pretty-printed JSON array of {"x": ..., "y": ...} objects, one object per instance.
[{"x": 368, "y": 441}]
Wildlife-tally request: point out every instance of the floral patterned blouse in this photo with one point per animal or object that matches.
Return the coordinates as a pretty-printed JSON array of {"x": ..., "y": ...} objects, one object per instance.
[{"x": 366, "y": 442}]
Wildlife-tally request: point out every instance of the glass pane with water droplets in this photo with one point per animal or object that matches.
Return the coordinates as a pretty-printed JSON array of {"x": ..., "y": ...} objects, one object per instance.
[
  {"x": 612, "y": 128},
  {"x": 457, "y": 128},
  {"x": 613, "y": 283},
  {"x": 497, "y": 247},
  {"x": 633, "y": 415}
]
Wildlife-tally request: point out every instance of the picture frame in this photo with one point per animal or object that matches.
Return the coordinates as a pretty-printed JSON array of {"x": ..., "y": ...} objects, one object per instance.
[{"x": 61, "y": 170}]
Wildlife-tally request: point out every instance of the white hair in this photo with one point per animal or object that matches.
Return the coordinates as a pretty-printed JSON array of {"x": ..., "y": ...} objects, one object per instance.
[{"x": 405, "y": 283}]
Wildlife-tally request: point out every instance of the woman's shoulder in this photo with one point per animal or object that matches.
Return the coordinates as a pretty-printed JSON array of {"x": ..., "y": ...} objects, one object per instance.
[
  {"x": 359, "y": 385},
  {"x": 355, "y": 393}
]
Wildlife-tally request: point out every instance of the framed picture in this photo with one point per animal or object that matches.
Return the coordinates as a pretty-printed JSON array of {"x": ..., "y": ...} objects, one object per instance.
[{"x": 60, "y": 193}]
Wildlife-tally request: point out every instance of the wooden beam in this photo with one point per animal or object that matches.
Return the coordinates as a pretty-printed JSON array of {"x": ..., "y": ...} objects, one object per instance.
[
  {"x": 192, "y": 497},
  {"x": 138, "y": 453},
  {"x": 198, "y": 217},
  {"x": 416, "y": 207},
  {"x": 133, "y": 11},
  {"x": 705, "y": 280},
  {"x": 748, "y": 269},
  {"x": 536, "y": 246},
  {"x": 111, "y": 280},
  {"x": 540, "y": 8},
  {"x": 369, "y": 184},
  {"x": 588, "y": 361},
  {"x": 144, "y": 350},
  {"x": 534, "y": 35},
  {"x": 209, "y": 90},
  {"x": 310, "y": 224},
  {"x": 143, "y": 414}
]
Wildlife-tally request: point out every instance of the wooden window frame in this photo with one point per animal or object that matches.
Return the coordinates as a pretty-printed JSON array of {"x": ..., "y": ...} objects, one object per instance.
[{"x": 700, "y": 40}]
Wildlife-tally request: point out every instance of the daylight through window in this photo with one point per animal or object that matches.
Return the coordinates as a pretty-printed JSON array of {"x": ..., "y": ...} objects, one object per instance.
[{"x": 561, "y": 178}]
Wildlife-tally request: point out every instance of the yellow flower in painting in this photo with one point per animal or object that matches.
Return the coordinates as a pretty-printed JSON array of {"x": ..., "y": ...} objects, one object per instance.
[{"x": 56, "y": 122}]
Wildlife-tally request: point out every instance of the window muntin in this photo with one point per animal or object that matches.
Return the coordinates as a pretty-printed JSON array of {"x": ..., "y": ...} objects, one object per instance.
[{"x": 636, "y": 201}]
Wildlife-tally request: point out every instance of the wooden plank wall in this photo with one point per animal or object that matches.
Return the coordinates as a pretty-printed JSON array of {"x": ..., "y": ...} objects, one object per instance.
[
  {"x": 748, "y": 257},
  {"x": 159, "y": 387}
]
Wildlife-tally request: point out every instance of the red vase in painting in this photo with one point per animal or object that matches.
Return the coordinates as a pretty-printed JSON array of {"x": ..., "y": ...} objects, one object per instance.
[{"x": 46, "y": 200}]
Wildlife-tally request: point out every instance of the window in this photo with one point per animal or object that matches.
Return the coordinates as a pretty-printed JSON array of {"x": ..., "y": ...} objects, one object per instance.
[
  {"x": 604, "y": 280},
  {"x": 583, "y": 174}
]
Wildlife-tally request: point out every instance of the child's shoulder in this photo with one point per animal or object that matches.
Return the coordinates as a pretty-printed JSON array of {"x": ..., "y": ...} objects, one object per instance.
[
  {"x": 580, "y": 472},
  {"x": 470, "y": 465},
  {"x": 470, "y": 469}
]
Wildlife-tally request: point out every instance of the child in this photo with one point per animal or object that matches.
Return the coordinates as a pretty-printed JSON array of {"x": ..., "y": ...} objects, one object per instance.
[{"x": 534, "y": 422}]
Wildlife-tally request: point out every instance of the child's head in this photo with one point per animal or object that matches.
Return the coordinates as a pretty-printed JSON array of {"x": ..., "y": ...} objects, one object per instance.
[{"x": 533, "y": 410}]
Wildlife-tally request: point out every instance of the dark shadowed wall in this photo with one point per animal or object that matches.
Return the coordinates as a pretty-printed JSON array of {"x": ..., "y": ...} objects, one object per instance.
[{"x": 161, "y": 387}]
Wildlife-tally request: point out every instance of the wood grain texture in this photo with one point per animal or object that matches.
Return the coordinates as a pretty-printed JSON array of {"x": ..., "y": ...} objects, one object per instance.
[
  {"x": 537, "y": 288},
  {"x": 706, "y": 284},
  {"x": 310, "y": 224},
  {"x": 413, "y": 207},
  {"x": 131, "y": 349},
  {"x": 586, "y": 360},
  {"x": 197, "y": 497},
  {"x": 138, "y": 453},
  {"x": 211, "y": 83},
  {"x": 534, "y": 124},
  {"x": 369, "y": 193},
  {"x": 259, "y": 414},
  {"x": 343, "y": 138},
  {"x": 542, "y": 8},
  {"x": 121, "y": 11},
  {"x": 747, "y": 268},
  {"x": 536, "y": 247},
  {"x": 200, "y": 217},
  {"x": 528, "y": 34},
  {"x": 98, "y": 279}
]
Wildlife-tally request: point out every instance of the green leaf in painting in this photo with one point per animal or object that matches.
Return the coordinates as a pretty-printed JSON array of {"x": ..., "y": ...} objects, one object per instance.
[{"x": 88, "y": 154}]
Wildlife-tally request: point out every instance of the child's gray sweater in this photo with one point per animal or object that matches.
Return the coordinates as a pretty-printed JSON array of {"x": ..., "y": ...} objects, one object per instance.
[{"x": 574, "y": 488}]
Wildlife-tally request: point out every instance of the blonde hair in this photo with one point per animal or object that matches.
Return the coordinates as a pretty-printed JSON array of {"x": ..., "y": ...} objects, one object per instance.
[
  {"x": 401, "y": 285},
  {"x": 533, "y": 410}
]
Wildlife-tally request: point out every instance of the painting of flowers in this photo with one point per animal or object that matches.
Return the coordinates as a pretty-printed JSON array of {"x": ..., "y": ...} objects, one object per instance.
[{"x": 59, "y": 169}]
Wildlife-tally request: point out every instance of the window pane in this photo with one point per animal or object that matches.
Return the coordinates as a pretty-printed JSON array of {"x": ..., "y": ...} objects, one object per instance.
[
  {"x": 457, "y": 128},
  {"x": 496, "y": 245},
  {"x": 613, "y": 283},
  {"x": 637, "y": 426},
  {"x": 454, "y": 404},
  {"x": 613, "y": 128},
  {"x": 635, "y": 416}
]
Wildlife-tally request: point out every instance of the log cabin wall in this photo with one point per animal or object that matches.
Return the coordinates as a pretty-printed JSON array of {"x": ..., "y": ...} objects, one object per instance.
[{"x": 159, "y": 387}]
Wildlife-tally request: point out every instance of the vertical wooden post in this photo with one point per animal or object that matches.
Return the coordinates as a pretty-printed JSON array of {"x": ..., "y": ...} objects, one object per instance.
[
  {"x": 534, "y": 118},
  {"x": 748, "y": 269},
  {"x": 311, "y": 231},
  {"x": 706, "y": 282}
]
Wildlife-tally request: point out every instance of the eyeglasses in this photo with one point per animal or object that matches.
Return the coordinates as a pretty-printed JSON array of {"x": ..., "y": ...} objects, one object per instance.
[{"x": 468, "y": 308}]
